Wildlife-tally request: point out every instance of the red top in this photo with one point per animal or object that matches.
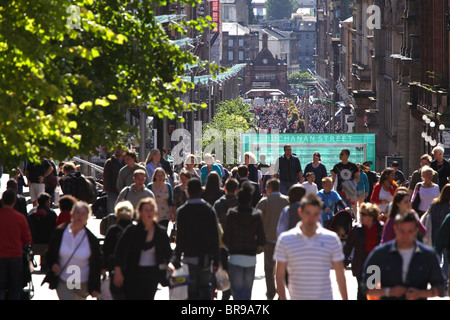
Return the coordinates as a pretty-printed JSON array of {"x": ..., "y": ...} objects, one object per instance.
[
  {"x": 376, "y": 192},
  {"x": 63, "y": 217},
  {"x": 371, "y": 237},
  {"x": 14, "y": 233}
]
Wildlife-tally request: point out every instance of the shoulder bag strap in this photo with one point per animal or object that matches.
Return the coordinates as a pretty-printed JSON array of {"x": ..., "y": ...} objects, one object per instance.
[{"x": 78, "y": 245}]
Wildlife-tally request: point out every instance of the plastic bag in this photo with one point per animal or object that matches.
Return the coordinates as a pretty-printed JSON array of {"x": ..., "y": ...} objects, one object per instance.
[
  {"x": 222, "y": 280},
  {"x": 178, "y": 283},
  {"x": 106, "y": 292}
]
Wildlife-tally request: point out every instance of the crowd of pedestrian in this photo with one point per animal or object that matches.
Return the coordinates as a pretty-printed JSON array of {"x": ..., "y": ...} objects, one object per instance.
[
  {"x": 222, "y": 218},
  {"x": 287, "y": 118}
]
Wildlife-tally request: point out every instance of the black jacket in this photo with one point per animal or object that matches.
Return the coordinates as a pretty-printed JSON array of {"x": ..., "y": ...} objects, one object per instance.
[
  {"x": 257, "y": 194},
  {"x": 197, "y": 233},
  {"x": 95, "y": 260},
  {"x": 357, "y": 240},
  {"x": 244, "y": 231},
  {"x": 131, "y": 243}
]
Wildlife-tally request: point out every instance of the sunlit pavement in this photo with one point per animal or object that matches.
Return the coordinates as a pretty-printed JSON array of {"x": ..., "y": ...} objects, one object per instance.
[{"x": 259, "y": 285}]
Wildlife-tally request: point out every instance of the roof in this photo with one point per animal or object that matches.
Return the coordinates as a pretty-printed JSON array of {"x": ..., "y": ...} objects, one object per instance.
[
  {"x": 234, "y": 29},
  {"x": 275, "y": 91}
]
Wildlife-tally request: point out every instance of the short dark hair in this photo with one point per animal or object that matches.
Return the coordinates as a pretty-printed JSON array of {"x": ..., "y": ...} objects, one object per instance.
[
  {"x": 43, "y": 198},
  {"x": 242, "y": 171},
  {"x": 66, "y": 202},
  {"x": 347, "y": 151},
  {"x": 12, "y": 184},
  {"x": 131, "y": 154},
  {"x": 9, "y": 197},
  {"x": 231, "y": 185},
  {"x": 274, "y": 184},
  {"x": 311, "y": 200},
  {"x": 406, "y": 216},
  {"x": 245, "y": 193},
  {"x": 194, "y": 188},
  {"x": 296, "y": 193}
]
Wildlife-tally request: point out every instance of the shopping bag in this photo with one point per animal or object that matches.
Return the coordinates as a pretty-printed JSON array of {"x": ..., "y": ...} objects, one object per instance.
[
  {"x": 178, "y": 283},
  {"x": 106, "y": 291},
  {"x": 222, "y": 280}
]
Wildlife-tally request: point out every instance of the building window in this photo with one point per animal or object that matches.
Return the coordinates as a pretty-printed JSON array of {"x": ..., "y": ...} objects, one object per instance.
[
  {"x": 241, "y": 55},
  {"x": 230, "y": 42},
  {"x": 230, "y": 56},
  {"x": 241, "y": 42}
]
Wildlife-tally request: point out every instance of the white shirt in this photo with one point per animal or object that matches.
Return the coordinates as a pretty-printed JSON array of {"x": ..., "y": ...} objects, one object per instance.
[
  {"x": 406, "y": 257},
  {"x": 80, "y": 259},
  {"x": 148, "y": 258},
  {"x": 308, "y": 261},
  {"x": 310, "y": 188},
  {"x": 384, "y": 195}
]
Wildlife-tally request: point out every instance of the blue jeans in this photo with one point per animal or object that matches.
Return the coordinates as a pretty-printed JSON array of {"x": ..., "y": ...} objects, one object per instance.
[
  {"x": 199, "y": 284},
  {"x": 285, "y": 185},
  {"x": 11, "y": 278},
  {"x": 241, "y": 281}
]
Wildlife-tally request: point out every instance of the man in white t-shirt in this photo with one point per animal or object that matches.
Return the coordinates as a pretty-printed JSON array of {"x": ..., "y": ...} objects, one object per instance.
[{"x": 307, "y": 253}]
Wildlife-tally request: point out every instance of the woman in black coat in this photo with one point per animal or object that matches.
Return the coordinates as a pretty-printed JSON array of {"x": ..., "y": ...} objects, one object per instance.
[
  {"x": 142, "y": 254},
  {"x": 61, "y": 258}
]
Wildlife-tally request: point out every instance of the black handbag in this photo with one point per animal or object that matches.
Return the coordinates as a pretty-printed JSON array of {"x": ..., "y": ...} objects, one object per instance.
[
  {"x": 416, "y": 202},
  {"x": 117, "y": 293}
]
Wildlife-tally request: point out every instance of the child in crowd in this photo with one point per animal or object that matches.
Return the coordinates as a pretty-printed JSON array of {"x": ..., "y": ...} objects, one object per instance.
[
  {"x": 309, "y": 184},
  {"x": 330, "y": 199}
]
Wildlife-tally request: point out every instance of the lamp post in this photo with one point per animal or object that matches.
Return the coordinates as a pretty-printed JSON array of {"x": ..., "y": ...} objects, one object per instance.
[{"x": 441, "y": 139}]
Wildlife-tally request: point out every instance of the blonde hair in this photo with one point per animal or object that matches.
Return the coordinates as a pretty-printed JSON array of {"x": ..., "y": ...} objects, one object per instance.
[
  {"x": 426, "y": 169},
  {"x": 188, "y": 159},
  {"x": 150, "y": 156},
  {"x": 372, "y": 209},
  {"x": 124, "y": 210},
  {"x": 82, "y": 204},
  {"x": 251, "y": 157}
]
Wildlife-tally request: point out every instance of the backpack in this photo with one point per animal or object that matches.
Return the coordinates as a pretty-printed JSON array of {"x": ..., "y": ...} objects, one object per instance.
[
  {"x": 106, "y": 222},
  {"x": 87, "y": 190}
]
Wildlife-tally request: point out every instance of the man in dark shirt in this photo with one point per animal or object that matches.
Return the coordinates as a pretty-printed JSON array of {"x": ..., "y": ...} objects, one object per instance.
[
  {"x": 288, "y": 170},
  {"x": 243, "y": 175},
  {"x": 404, "y": 266},
  {"x": 198, "y": 240},
  {"x": 36, "y": 174},
  {"x": 110, "y": 174},
  {"x": 441, "y": 166},
  {"x": 399, "y": 176},
  {"x": 347, "y": 175}
]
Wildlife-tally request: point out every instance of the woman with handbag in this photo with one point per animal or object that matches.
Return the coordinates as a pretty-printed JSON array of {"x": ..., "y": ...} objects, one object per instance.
[
  {"x": 142, "y": 255},
  {"x": 75, "y": 258},
  {"x": 426, "y": 190}
]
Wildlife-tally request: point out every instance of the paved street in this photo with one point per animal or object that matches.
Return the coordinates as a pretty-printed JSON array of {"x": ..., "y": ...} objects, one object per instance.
[{"x": 259, "y": 287}]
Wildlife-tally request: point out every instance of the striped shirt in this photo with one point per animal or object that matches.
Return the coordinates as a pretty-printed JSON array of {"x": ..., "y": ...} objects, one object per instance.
[
  {"x": 288, "y": 169},
  {"x": 308, "y": 261}
]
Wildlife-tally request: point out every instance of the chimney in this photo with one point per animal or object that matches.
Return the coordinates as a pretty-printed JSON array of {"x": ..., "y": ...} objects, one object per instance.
[{"x": 265, "y": 39}]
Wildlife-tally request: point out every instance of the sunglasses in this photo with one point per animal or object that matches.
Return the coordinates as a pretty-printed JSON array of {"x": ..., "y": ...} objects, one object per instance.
[{"x": 364, "y": 213}]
